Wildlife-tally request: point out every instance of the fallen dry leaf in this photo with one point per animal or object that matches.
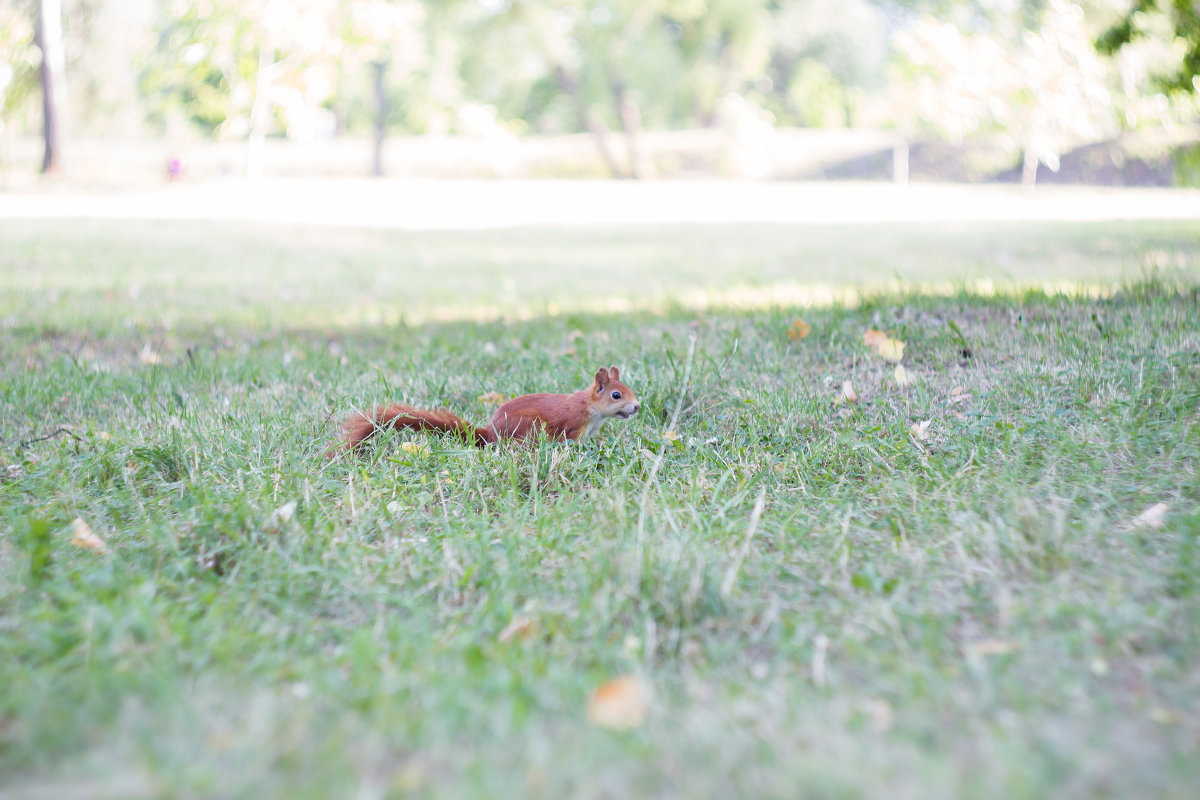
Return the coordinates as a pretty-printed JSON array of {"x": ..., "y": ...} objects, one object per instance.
[
  {"x": 492, "y": 397},
  {"x": 520, "y": 628},
  {"x": 879, "y": 711},
  {"x": 670, "y": 435},
  {"x": 872, "y": 338},
  {"x": 799, "y": 330},
  {"x": 147, "y": 355},
  {"x": 957, "y": 395},
  {"x": 282, "y": 514},
  {"x": 83, "y": 536},
  {"x": 414, "y": 449},
  {"x": 992, "y": 647},
  {"x": 1153, "y": 517},
  {"x": 921, "y": 429},
  {"x": 620, "y": 704},
  {"x": 1165, "y": 716},
  {"x": 891, "y": 349},
  {"x": 848, "y": 392},
  {"x": 902, "y": 376}
]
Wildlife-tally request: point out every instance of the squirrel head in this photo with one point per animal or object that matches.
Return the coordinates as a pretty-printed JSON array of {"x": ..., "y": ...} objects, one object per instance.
[{"x": 610, "y": 397}]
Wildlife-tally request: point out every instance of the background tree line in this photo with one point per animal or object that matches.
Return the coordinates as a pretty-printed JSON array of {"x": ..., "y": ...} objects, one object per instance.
[{"x": 1045, "y": 74}]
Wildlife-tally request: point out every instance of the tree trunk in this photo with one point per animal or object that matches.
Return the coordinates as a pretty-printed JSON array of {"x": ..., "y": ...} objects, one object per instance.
[
  {"x": 1029, "y": 169},
  {"x": 631, "y": 121},
  {"x": 260, "y": 111},
  {"x": 900, "y": 161},
  {"x": 49, "y": 41},
  {"x": 571, "y": 86},
  {"x": 381, "y": 111},
  {"x": 705, "y": 115}
]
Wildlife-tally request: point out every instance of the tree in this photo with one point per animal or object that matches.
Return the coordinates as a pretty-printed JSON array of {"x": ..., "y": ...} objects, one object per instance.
[
  {"x": 558, "y": 37},
  {"x": 723, "y": 45},
  {"x": 384, "y": 35},
  {"x": 51, "y": 73},
  {"x": 1060, "y": 99},
  {"x": 19, "y": 61},
  {"x": 1046, "y": 90},
  {"x": 823, "y": 56},
  {"x": 1184, "y": 20},
  {"x": 225, "y": 64},
  {"x": 203, "y": 67},
  {"x": 586, "y": 66}
]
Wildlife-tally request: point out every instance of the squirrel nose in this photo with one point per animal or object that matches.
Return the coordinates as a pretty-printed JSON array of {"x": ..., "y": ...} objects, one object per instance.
[{"x": 636, "y": 406}]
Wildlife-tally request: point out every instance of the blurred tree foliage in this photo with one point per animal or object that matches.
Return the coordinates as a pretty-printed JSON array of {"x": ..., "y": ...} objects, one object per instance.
[
  {"x": 1144, "y": 20},
  {"x": 202, "y": 65},
  {"x": 1046, "y": 89},
  {"x": 310, "y": 69},
  {"x": 19, "y": 59}
]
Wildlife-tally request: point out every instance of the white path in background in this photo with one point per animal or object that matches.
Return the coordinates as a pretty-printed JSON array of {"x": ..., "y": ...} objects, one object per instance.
[{"x": 471, "y": 204}]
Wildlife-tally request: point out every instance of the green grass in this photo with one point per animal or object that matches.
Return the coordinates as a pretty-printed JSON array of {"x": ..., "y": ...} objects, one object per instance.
[
  {"x": 968, "y": 616},
  {"x": 91, "y": 276}
]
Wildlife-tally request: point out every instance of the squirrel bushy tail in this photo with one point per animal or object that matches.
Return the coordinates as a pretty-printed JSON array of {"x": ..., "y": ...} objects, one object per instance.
[{"x": 361, "y": 427}]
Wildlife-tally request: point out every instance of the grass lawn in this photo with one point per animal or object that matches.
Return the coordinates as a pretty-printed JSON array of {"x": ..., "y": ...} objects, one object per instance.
[{"x": 811, "y": 597}]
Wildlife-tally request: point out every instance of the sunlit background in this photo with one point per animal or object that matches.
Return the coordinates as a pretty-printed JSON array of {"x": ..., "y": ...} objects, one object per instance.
[{"x": 1033, "y": 91}]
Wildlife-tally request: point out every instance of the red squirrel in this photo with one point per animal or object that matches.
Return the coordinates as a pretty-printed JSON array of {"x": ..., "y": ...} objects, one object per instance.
[{"x": 562, "y": 416}]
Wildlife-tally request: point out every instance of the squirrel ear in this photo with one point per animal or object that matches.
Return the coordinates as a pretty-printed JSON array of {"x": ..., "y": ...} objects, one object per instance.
[
  {"x": 601, "y": 378},
  {"x": 612, "y": 371}
]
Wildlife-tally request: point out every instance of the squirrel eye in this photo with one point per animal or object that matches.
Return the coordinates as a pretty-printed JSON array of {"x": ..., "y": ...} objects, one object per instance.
[{"x": 616, "y": 395}]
